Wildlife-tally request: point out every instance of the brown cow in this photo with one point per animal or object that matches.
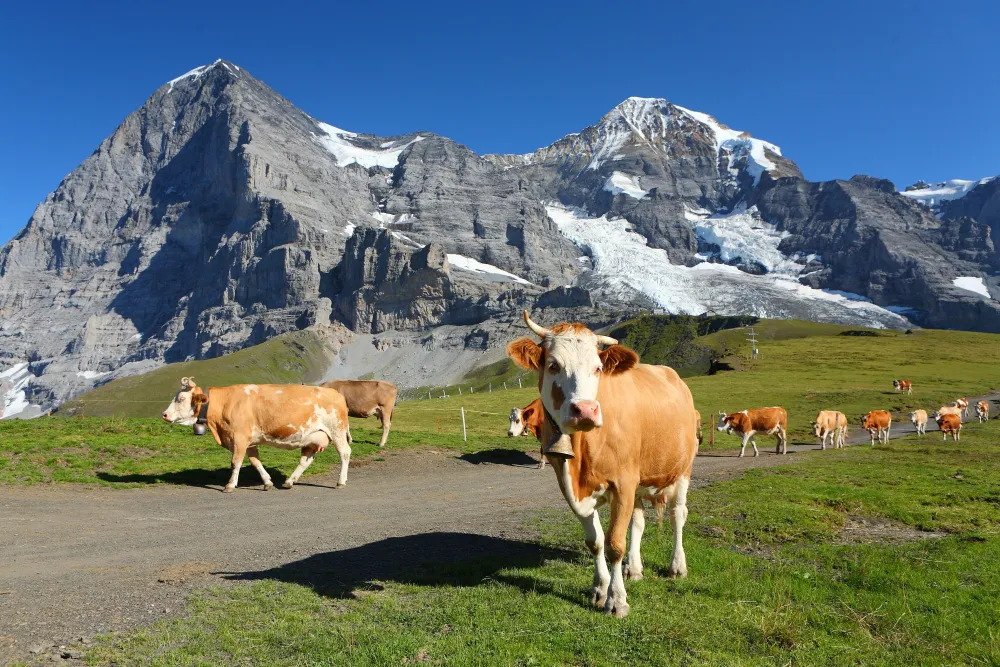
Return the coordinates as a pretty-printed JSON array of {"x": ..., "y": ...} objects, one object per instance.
[
  {"x": 632, "y": 434},
  {"x": 904, "y": 386},
  {"x": 832, "y": 424},
  {"x": 950, "y": 424},
  {"x": 963, "y": 405},
  {"x": 747, "y": 423},
  {"x": 983, "y": 411},
  {"x": 528, "y": 421},
  {"x": 366, "y": 398},
  {"x": 287, "y": 416},
  {"x": 877, "y": 421}
]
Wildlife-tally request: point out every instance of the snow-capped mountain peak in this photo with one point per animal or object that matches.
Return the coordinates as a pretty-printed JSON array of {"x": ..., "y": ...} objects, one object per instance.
[{"x": 931, "y": 195}]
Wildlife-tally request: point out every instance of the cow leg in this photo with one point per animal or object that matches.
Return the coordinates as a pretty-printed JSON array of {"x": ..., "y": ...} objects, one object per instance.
[
  {"x": 593, "y": 535},
  {"x": 633, "y": 569},
  {"x": 344, "y": 450},
  {"x": 385, "y": 416},
  {"x": 678, "y": 517},
  {"x": 255, "y": 462},
  {"x": 541, "y": 455},
  {"x": 622, "y": 504},
  {"x": 239, "y": 451},
  {"x": 754, "y": 443},
  {"x": 308, "y": 453}
]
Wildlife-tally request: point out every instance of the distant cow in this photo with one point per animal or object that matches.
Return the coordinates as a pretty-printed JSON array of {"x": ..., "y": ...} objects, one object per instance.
[
  {"x": 983, "y": 411},
  {"x": 963, "y": 405},
  {"x": 948, "y": 410},
  {"x": 904, "y": 386},
  {"x": 772, "y": 421},
  {"x": 877, "y": 422},
  {"x": 950, "y": 424},
  {"x": 366, "y": 398},
  {"x": 528, "y": 421},
  {"x": 832, "y": 424},
  {"x": 287, "y": 416},
  {"x": 919, "y": 419}
]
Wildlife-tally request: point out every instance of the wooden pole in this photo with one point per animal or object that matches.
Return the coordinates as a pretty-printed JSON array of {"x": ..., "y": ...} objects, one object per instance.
[{"x": 464, "y": 436}]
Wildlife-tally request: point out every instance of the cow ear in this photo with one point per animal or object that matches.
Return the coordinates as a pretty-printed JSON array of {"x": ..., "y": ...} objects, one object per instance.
[
  {"x": 618, "y": 359},
  {"x": 197, "y": 400},
  {"x": 526, "y": 353},
  {"x": 526, "y": 413}
]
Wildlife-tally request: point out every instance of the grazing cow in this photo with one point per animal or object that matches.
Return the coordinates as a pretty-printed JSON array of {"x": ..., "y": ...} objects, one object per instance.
[
  {"x": 832, "y": 424},
  {"x": 963, "y": 405},
  {"x": 366, "y": 398},
  {"x": 287, "y": 416},
  {"x": 948, "y": 410},
  {"x": 772, "y": 421},
  {"x": 528, "y": 421},
  {"x": 632, "y": 434},
  {"x": 950, "y": 424},
  {"x": 919, "y": 419},
  {"x": 983, "y": 411},
  {"x": 877, "y": 422},
  {"x": 904, "y": 386}
]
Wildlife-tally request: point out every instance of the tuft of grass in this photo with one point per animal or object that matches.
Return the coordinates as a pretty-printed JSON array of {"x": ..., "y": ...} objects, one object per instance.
[{"x": 774, "y": 579}]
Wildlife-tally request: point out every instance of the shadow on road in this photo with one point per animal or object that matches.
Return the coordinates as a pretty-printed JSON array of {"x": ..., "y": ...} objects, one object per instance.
[
  {"x": 429, "y": 559},
  {"x": 201, "y": 477},
  {"x": 502, "y": 456}
]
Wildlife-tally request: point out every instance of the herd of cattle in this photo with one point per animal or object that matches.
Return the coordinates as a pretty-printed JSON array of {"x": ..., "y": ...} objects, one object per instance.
[{"x": 599, "y": 417}]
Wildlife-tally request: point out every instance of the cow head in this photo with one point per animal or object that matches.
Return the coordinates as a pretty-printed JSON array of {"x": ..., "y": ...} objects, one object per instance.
[
  {"x": 184, "y": 408},
  {"x": 817, "y": 431},
  {"x": 725, "y": 423},
  {"x": 570, "y": 363},
  {"x": 516, "y": 427}
]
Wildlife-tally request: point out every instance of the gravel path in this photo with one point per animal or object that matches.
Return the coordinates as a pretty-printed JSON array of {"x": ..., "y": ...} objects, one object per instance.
[{"x": 76, "y": 561}]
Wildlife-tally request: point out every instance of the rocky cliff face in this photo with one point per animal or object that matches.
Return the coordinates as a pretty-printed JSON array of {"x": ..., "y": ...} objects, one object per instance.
[{"x": 218, "y": 215}]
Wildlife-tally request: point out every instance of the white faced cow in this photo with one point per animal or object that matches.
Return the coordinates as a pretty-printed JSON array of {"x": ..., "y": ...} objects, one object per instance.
[
  {"x": 243, "y": 416},
  {"x": 634, "y": 436},
  {"x": 747, "y": 423}
]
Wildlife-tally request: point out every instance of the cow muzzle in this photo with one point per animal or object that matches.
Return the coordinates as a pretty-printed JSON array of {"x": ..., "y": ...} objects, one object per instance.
[{"x": 585, "y": 415}]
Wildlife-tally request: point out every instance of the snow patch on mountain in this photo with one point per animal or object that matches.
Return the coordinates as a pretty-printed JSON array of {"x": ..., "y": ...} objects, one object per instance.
[
  {"x": 619, "y": 183},
  {"x": 196, "y": 73},
  {"x": 933, "y": 194},
  {"x": 972, "y": 284},
  {"x": 337, "y": 142},
  {"x": 487, "y": 271},
  {"x": 624, "y": 263},
  {"x": 90, "y": 375},
  {"x": 15, "y": 400},
  {"x": 744, "y": 236},
  {"x": 738, "y": 144}
]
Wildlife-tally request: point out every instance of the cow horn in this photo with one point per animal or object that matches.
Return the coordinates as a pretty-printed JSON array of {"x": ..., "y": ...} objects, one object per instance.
[
  {"x": 539, "y": 331},
  {"x": 606, "y": 340}
]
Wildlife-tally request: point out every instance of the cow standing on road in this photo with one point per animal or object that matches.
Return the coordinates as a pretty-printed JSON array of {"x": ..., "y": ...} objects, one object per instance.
[
  {"x": 948, "y": 410},
  {"x": 877, "y": 422},
  {"x": 772, "y": 421},
  {"x": 366, "y": 398},
  {"x": 963, "y": 405},
  {"x": 287, "y": 416},
  {"x": 632, "y": 436},
  {"x": 919, "y": 419},
  {"x": 832, "y": 424},
  {"x": 950, "y": 424},
  {"x": 983, "y": 411}
]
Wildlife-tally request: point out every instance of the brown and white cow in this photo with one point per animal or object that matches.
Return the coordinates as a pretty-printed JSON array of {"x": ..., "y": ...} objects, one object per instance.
[
  {"x": 832, "y": 424},
  {"x": 904, "y": 386},
  {"x": 747, "y": 423},
  {"x": 963, "y": 405},
  {"x": 633, "y": 435},
  {"x": 528, "y": 421},
  {"x": 919, "y": 420},
  {"x": 948, "y": 410},
  {"x": 287, "y": 416},
  {"x": 877, "y": 422},
  {"x": 950, "y": 424},
  {"x": 366, "y": 398},
  {"x": 983, "y": 411}
]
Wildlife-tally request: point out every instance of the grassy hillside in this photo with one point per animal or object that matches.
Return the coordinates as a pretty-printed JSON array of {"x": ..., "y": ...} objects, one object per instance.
[{"x": 301, "y": 356}]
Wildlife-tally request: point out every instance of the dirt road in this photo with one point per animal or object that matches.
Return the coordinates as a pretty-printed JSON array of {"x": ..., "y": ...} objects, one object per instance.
[{"x": 76, "y": 561}]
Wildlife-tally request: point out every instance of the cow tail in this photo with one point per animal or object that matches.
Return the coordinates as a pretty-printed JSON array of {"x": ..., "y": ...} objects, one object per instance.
[{"x": 661, "y": 507}]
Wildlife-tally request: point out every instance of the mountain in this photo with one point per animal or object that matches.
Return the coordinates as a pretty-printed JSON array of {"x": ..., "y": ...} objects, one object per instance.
[{"x": 219, "y": 215}]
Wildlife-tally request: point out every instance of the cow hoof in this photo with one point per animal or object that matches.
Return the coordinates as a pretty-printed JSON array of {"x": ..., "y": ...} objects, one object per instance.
[
  {"x": 228, "y": 489},
  {"x": 341, "y": 485},
  {"x": 677, "y": 572},
  {"x": 287, "y": 485},
  {"x": 632, "y": 575},
  {"x": 620, "y": 610},
  {"x": 268, "y": 486},
  {"x": 598, "y": 599}
]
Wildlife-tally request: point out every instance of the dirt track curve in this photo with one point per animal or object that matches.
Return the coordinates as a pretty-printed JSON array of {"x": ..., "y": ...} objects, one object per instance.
[{"x": 76, "y": 561}]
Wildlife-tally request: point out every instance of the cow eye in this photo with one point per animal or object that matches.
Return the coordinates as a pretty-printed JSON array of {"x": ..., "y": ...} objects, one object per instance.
[
  {"x": 598, "y": 370},
  {"x": 553, "y": 366}
]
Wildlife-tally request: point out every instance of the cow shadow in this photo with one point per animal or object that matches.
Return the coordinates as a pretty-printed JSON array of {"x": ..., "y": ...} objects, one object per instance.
[
  {"x": 501, "y": 456},
  {"x": 198, "y": 477},
  {"x": 427, "y": 559}
]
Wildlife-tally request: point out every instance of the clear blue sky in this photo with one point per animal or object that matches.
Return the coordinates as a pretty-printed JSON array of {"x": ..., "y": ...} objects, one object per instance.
[{"x": 902, "y": 90}]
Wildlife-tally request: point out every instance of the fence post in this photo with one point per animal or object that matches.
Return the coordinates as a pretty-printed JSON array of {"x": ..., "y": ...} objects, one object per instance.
[
  {"x": 429, "y": 394},
  {"x": 505, "y": 386},
  {"x": 459, "y": 391},
  {"x": 471, "y": 389},
  {"x": 464, "y": 436},
  {"x": 519, "y": 383},
  {"x": 491, "y": 387},
  {"x": 711, "y": 424}
]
